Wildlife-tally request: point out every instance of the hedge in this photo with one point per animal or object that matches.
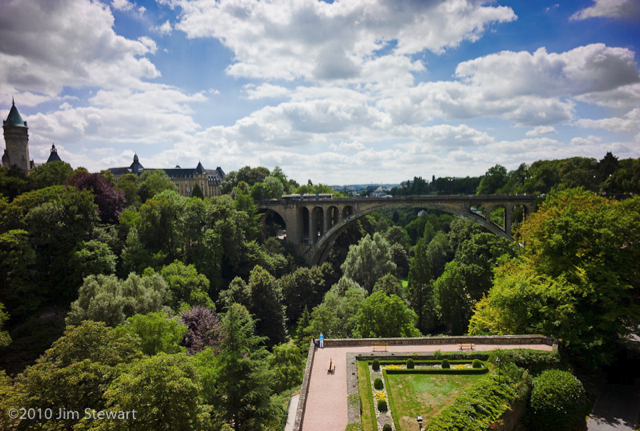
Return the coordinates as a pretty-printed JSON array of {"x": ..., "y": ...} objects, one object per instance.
[
  {"x": 483, "y": 404},
  {"x": 440, "y": 371},
  {"x": 532, "y": 360}
]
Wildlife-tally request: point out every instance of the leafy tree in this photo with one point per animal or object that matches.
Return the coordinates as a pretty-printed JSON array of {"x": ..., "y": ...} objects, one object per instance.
[
  {"x": 389, "y": 285},
  {"x": 153, "y": 182},
  {"x": 453, "y": 300},
  {"x": 397, "y": 235},
  {"x": 92, "y": 258},
  {"x": 197, "y": 192},
  {"x": 335, "y": 317},
  {"x": 164, "y": 390},
  {"x": 252, "y": 175},
  {"x": 493, "y": 180},
  {"x": 577, "y": 278},
  {"x": 50, "y": 174},
  {"x": 203, "y": 329},
  {"x": 288, "y": 364},
  {"x": 5, "y": 339},
  {"x": 74, "y": 373},
  {"x": 110, "y": 201},
  {"x": 13, "y": 182},
  {"x": 369, "y": 260},
  {"x": 186, "y": 285},
  {"x": 304, "y": 288},
  {"x": 420, "y": 289},
  {"x": 382, "y": 316},
  {"x": 275, "y": 186},
  {"x": 128, "y": 183},
  {"x": 244, "y": 379},
  {"x": 18, "y": 287},
  {"x": 438, "y": 253},
  {"x": 106, "y": 299},
  {"x": 401, "y": 259},
  {"x": 157, "y": 331}
]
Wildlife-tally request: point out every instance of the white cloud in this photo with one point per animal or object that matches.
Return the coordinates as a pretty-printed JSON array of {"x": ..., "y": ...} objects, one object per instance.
[
  {"x": 348, "y": 146},
  {"x": 629, "y": 123},
  {"x": 609, "y": 9},
  {"x": 589, "y": 140},
  {"x": 265, "y": 91},
  {"x": 542, "y": 130},
  {"x": 626, "y": 96},
  {"x": 164, "y": 28},
  {"x": 122, "y": 5},
  {"x": 315, "y": 40}
]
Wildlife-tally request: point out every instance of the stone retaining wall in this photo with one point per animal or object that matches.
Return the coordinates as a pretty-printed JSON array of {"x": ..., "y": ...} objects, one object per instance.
[
  {"x": 489, "y": 339},
  {"x": 304, "y": 391}
]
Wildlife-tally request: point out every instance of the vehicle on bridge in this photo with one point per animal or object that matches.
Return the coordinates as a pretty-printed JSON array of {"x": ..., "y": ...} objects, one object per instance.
[{"x": 307, "y": 197}]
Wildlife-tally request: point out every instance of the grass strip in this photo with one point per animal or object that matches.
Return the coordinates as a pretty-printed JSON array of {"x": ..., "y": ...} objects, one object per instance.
[{"x": 369, "y": 421}]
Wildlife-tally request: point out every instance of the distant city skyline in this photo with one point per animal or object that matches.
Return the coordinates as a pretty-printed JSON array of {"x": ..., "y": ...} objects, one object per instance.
[{"x": 342, "y": 92}]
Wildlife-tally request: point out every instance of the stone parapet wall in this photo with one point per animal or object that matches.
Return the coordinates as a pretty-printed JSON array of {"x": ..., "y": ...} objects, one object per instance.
[
  {"x": 489, "y": 339},
  {"x": 304, "y": 391}
]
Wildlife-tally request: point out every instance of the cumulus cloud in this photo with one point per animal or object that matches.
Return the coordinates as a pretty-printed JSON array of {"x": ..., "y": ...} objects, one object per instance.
[
  {"x": 629, "y": 123},
  {"x": 164, "y": 28},
  {"x": 542, "y": 130},
  {"x": 315, "y": 40},
  {"x": 265, "y": 91},
  {"x": 609, "y": 9}
]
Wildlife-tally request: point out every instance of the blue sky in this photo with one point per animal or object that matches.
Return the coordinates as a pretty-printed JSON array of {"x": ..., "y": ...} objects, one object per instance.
[{"x": 353, "y": 91}]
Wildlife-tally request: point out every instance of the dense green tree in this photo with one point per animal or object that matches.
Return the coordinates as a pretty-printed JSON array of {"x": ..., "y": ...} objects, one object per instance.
[
  {"x": 18, "y": 286},
  {"x": 267, "y": 306},
  {"x": 382, "y": 316},
  {"x": 577, "y": 280},
  {"x": 74, "y": 373},
  {"x": 493, "y": 180},
  {"x": 335, "y": 317},
  {"x": 157, "y": 332},
  {"x": 106, "y": 299},
  {"x": 244, "y": 380},
  {"x": 304, "y": 288},
  {"x": 438, "y": 253},
  {"x": 13, "y": 182},
  {"x": 91, "y": 258},
  {"x": 196, "y": 192},
  {"x": 128, "y": 183},
  {"x": 558, "y": 402},
  {"x": 275, "y": 186},
  {"x": 110, "y": 201},
  {"x": 50, "y": 174},
  {"x": 186, "y": 285},
  {"x": 453, "y": 300},
  {"x": 164, "y": 390},
  {"x": 5, "y": 339},
  {"x": 390, "y": 285},
  {"x": 288, "y": 364},
  {"x": 153, "y": 182},
  {"x": 252, "y": 175},
  {"x": 397, "y": 235},
  {"x": 369, "y": 260},
  {"x": 420, "y": 289}
]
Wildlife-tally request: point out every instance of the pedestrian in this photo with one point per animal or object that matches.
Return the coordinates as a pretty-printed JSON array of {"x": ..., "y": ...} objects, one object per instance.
[
  {"x": 321, "y": 341},
  {"x": 315, "y": 343}
]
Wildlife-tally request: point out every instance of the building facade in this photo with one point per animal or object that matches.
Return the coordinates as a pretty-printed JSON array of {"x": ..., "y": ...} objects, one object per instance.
[
  {"x": 16, "y": 139},
  {"x": 185, "y": 179}
]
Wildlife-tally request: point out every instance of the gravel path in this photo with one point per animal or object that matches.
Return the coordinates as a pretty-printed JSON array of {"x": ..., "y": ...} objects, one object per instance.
[{"x": 326, "y": 408}]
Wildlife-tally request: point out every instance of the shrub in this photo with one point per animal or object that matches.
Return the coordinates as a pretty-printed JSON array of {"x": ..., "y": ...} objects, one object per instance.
[
  {"x": 375, "y": 365},
  {"x": 354, "y": 427},
  {"x": 476, "y": 364},
  {"x": 386, "y": 427},
  {"x": 558, "y": 402},
  {"x": 535, "y": 362},
  {"x": 382, "y": 406},
  {"x": 445, "y": 363},
  {"x": 377, "y": 383},
  {"x": 410, "y": 364}
]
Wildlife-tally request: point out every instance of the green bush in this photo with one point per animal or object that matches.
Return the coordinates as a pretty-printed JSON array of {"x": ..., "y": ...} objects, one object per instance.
[
  {"x": 534, "y": 361},
  {"x": 375, "y": 365},
  {"x": 386, "y": 427},
  {"x": 354, "y": 427},
  {"x": 377, "y": 383},
  {"x": 382, "y": 406},
  {"x": 445, "y": 364},
  {"x": 476, "y": 364},
  {"x": 410, "y": 364},
  {"x": 558, "y": 402}
]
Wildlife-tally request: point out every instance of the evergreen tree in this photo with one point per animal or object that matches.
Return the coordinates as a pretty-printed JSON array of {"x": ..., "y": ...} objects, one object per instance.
[
  {"x": 196, "y": 192},
  {"x": 420, "y": 289}
]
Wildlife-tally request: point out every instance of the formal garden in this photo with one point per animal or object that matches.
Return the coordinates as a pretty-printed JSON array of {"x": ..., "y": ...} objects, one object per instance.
[{"x": 484, "y": 391}]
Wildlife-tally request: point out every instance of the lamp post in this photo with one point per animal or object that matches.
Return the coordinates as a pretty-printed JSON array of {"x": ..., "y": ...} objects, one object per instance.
[
  {"x": 419, "y": 419},
  {"x": 499, "y": 368}
]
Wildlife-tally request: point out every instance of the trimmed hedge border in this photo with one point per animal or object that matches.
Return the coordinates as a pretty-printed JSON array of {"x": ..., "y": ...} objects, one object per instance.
[
  {"x": 482, "y": 370},
  {"x": 392, "y": 403}
]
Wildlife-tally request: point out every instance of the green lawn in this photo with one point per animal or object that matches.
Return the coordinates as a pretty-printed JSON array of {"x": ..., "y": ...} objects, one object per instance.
[
  {"x": 366, "y": 397},
  {"x": 424, "y": 394}
]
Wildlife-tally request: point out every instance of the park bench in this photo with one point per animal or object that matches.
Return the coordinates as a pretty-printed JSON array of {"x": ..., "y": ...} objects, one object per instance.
[
  {"x": 331, "y": 367},
  {"x": 464, "y": 346},
  {"x": 380, "y": 347}
]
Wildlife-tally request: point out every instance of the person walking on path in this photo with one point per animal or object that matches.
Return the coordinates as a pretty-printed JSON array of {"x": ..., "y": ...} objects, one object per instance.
[{"x": 321, "y": 341}]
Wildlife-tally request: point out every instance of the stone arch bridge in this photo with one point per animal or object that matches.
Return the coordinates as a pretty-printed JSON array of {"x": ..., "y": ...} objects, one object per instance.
[{"x": 314, "y": 224}]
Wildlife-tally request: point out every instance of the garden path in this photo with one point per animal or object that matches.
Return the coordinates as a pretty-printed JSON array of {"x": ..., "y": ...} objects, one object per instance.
[{"x": 326, "y": 407}]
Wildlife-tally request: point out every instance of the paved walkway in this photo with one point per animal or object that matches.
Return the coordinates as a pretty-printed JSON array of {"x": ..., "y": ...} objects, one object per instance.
[
  {"x": 326, "y": 408},
  {"x": 291, "y": 417},
  {"x": 617, "y": 409}
]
